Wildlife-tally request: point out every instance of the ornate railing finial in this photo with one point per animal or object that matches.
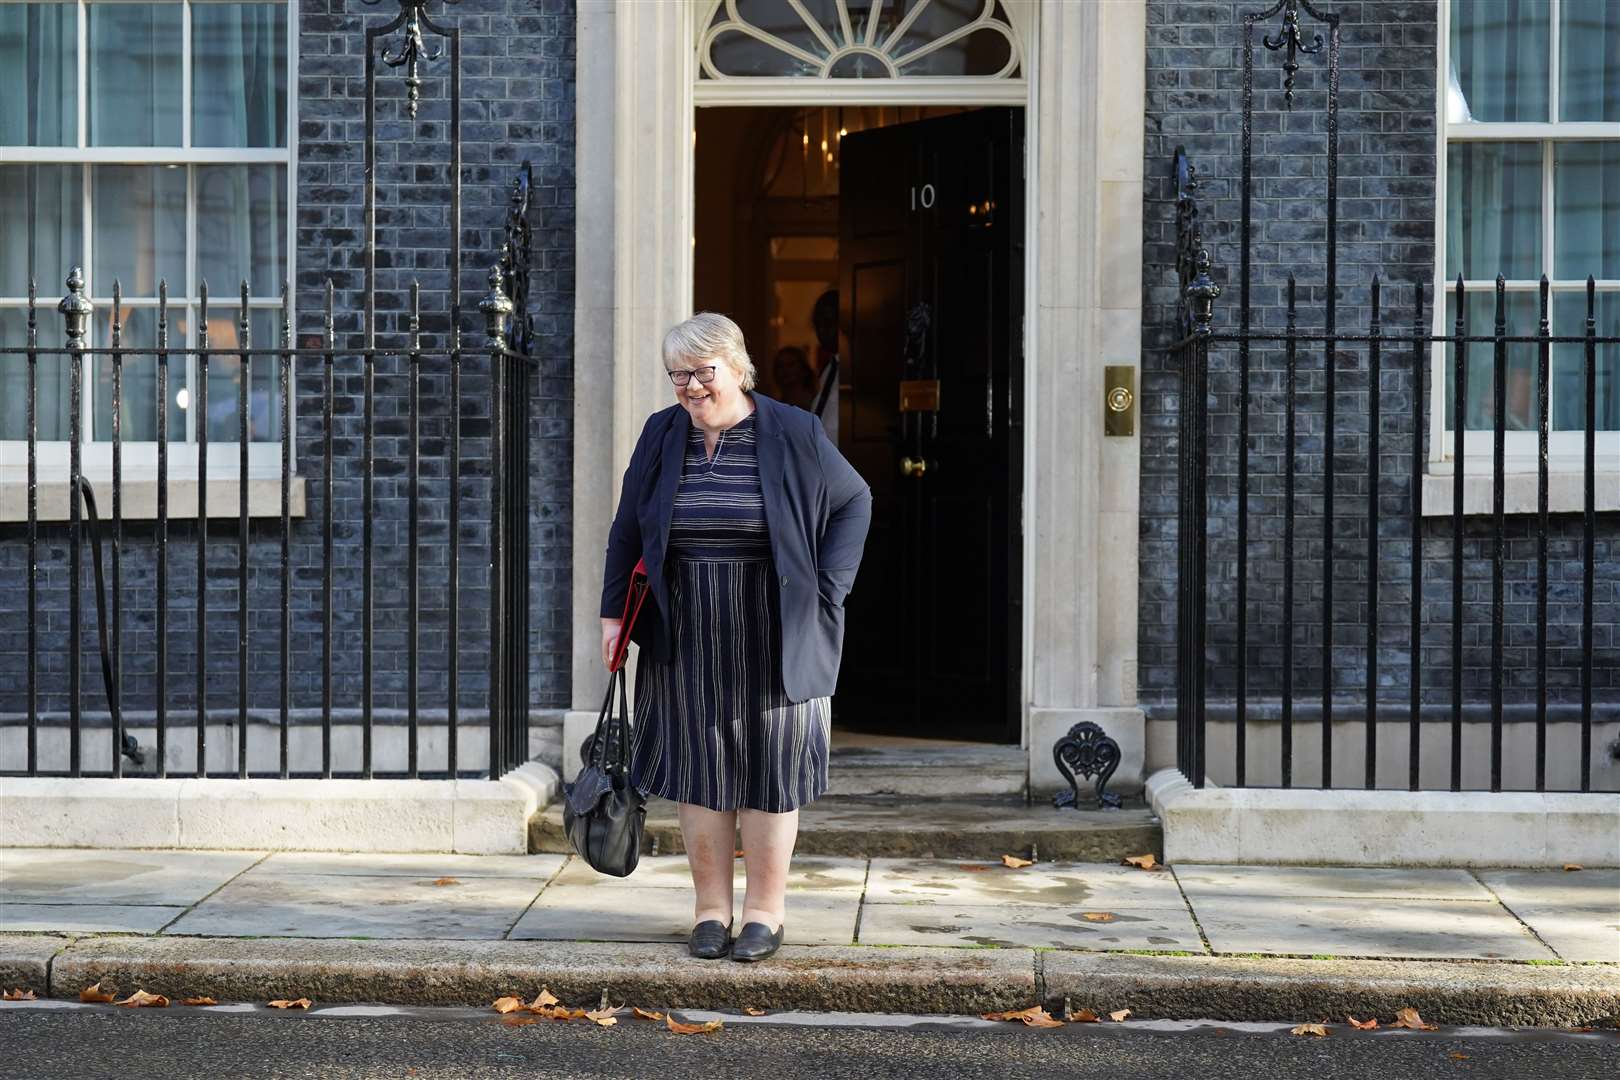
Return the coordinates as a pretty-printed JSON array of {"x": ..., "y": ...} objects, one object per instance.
[
  {"x": 1195, "y": 305},
  {"x": 1292, "y": 38},
  {"x": 412, "y": 16}
]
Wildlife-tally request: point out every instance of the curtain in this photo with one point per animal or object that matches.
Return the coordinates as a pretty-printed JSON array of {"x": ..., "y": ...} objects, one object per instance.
[{"x": 1500, "y": 51}]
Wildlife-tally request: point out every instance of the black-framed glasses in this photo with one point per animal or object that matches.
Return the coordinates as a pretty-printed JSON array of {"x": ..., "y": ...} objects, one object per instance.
[{"x": 683, "y": 376}]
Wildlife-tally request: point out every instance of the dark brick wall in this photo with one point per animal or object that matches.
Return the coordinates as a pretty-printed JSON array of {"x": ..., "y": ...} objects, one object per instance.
[
  {"x": 1386, "y": 226},
  {"x": 518, "y": 103}
]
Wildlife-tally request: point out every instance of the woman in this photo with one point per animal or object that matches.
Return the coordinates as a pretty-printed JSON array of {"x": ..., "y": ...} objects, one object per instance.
[{"x": 751, "y": 524}]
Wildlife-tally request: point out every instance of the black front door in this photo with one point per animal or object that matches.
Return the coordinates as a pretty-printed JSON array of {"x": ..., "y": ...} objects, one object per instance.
[{"x": 931, "y": 295}]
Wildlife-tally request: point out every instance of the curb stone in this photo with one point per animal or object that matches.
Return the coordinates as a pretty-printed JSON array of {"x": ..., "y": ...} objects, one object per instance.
[{"x": 25, "y": 961}]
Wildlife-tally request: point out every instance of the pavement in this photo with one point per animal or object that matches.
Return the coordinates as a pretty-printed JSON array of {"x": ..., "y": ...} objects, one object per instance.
[{"x": 869, "y": 934}]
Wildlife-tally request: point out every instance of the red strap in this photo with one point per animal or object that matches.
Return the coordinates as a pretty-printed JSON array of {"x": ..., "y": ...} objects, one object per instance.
[{"x": 632, "y": 607}]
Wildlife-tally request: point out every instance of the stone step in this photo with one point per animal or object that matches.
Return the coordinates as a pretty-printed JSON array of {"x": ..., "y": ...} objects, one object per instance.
[
  {"x": 944, "y": 770},
  {"x": 887, "y": 826}
]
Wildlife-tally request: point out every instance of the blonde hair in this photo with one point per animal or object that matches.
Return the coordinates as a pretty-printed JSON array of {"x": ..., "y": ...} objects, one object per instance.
[{"x": 709, "y": 335}]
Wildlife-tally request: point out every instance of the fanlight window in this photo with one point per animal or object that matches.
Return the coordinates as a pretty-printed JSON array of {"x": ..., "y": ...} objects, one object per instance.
[{"x": 859, "y": 39}]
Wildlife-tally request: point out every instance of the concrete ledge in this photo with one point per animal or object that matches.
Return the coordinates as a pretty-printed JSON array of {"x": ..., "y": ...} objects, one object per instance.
[
  {"x": 475, "y": 973},
  {"x": 484, "y": 817},
  {"x": 1220, "y": 988},
  {"x": 1303, "y": 826},
  {"x": 25, "y": 961}
]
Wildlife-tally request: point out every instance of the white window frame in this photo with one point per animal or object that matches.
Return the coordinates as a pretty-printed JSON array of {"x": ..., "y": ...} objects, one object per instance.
[
  {"x": 139, "y": 464},
  {"x": 1566, "y": 462}
]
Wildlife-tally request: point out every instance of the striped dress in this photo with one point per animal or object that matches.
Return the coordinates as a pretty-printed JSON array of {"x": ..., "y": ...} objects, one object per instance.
[{"x": 713, "y": 726}]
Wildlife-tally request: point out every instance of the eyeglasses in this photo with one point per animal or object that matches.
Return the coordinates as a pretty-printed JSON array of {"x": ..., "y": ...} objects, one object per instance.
[{"x": 683, "y": 376}]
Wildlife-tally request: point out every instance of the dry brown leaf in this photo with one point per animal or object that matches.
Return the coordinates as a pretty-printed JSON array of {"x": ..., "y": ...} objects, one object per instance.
[
  {"x": 446, "y": 881},
  {"x": 606, "y": 1017},
  {"x": 972, "y": 868},
  {"x": 1010, "y": 1014},
  {"x": 751, "y": 1011},
  {"x": 1084, "y": 1016},
  {"x": 1573, "y": 866},
  {"x": 1409, "y": 1018},
  {"x": 94, "y": 993},
  {"x": 515, "y": 1020},
  {"x": 1015, "y": 862},
  {"x": 648, "y": 1014},
  {"x": 1363, "y": 1025},
  {"x": 507, "y": 1004},
  {"x": 544, "y": 997},
  {"x": 1119, "y": 1015},
  {"x": 1034, "y": 1016},
  {"x": 199, "y": 1001},
  {"x": 1141, "y": 862},
  {"x": 141, "y": 999},
  {"x": 691, "y": 1029},
  {"x": 291, "y": 1003},
  {"x": 737, "y": 854},
  {"x": 18, "y": 994},
  {"x": 1099, "y": 916},
  {"x": 1309, "y": 1029},
  {"x": 1455, "y": 1056}
]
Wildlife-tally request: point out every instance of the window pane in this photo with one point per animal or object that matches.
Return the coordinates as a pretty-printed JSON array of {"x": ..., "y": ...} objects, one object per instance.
[
  {"x": 1569, "y": 363},
  {"x": 983, "y": 52},
  {"x": 39, "y": 75},
  {"x": 225, "y": 376},
  {"x": 135, "y": 74},
  {"x": 40, "y": 216},
  {"x": 1586, "y": 210},
  {"x": 241, "y": 228},
  {"x": 1523, "y": 317},
  {"x": 1499, "y": 56},
  {"x": 138, "y": 234},
  {"x": 52, "y": 401},
  {"x": 239, "y": 75},
  {"x": 1589, "y": 60},
  {"x": 138, "y": 401},
  {"x": 1493, "y": 210}
]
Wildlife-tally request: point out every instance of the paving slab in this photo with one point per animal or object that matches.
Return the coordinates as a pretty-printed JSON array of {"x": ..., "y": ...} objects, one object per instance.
[
  {"x": 655, "y": 914},
  {"x": 78, "y": 875},
  {"x": 1357, "y": 926},
  {"x": 1075, "y": 886},
  {"x": 1398, "y": 883},
  {"x": 429, "y": 865},
  {"x": 806, "y": 873},
  {"x": 1577, "y": 913},
  {"x": 85, "y": 918},
  {"x": 353, "y": 905},
  {"x": 25, "y": 961},
  {"x": 1027, "y": 926},
  {"x": 477, "y": 972}
]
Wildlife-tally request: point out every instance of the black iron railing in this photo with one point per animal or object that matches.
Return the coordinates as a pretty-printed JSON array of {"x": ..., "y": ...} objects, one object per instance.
[{"x": 1215, "y": 364}]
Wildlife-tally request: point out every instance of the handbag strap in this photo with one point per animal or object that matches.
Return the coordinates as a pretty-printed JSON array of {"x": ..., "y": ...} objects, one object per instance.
[{"x": 599, "y": 741}]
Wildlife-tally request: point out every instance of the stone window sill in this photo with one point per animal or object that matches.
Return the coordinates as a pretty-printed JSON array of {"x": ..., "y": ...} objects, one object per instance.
[
  {"x": 1566, "y": 492},
  {"x": 140, "y": 498}
]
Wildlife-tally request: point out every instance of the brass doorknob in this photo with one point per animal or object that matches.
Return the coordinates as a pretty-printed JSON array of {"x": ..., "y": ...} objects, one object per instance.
[{"x": 913, "y": 467}]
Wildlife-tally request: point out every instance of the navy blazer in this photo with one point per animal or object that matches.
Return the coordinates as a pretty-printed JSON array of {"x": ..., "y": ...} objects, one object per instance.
[{"x": 817, "y": 508}]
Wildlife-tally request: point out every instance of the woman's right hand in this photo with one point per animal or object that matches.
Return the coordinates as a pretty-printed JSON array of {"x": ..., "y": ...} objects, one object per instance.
[{"x": 610, "y": 640}]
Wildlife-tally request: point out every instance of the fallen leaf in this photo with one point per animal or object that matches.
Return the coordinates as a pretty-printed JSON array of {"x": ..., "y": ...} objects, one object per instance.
[
  {"x": 506, "y": 1004},
  {"x": 293, "y": 1003},
  {"x": 737, "y": 854},
  {"x": 1084, "y": 1016},
  {"x": 544, "y": 997},
  {"x": 141, "y": 999},
  {"x": 973, "y": 868},
  {"x": 446, "y": 881},
  {"x": 1409, "y": 1018},
  {"x": 1119, "y": 1016},
  {"x": 751, "y": 1011},
  {"x": 1363, "y": 1025},
  {"x": 605, "y": 1017},
  {"x": 648, "y": 1014},
  {"x": 1015, "y": 862},
  {"x": 94, "y": 993},
  {"x": 1455, "y": 1056},
  {"x": 18, "y": 994},
  {"x": 1099, "y": 916},
  {"x": 199, "y": 1001},
  {"x": 691, "y": 1029},
  {"x": 1034, "y": 1016},
  {"x": 1573, "y": 866},
  {"x": 1309, "y": 1029},
  {"x": 518, "y": 1021},
  {"x": 1582, "y": 1030},
  {"x": 1141, "y": 862}
]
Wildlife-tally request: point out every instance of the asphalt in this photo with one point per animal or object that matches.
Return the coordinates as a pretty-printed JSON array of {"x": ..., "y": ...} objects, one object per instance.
[{"x": 88, "y": 1042}]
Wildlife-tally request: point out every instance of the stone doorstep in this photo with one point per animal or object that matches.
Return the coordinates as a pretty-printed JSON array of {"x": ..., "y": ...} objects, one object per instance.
[
  {"x": 1342, "y": 827},
  {"x": 481, "y": 817},
  {"x": 846, "y": 978}
]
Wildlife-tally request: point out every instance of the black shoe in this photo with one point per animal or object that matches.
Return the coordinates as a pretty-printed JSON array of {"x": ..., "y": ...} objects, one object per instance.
[
  {"x": 709, "y": 940},
  {"x": 755, "y": 942}
]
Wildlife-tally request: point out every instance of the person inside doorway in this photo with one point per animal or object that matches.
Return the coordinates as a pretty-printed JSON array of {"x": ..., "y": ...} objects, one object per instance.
[
  {"x": 825, "y": 320},
  {"x": 795, "y": 381}
]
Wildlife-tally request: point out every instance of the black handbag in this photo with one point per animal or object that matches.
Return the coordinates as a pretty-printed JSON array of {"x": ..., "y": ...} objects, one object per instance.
[{"x": 603, "y": 812}]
